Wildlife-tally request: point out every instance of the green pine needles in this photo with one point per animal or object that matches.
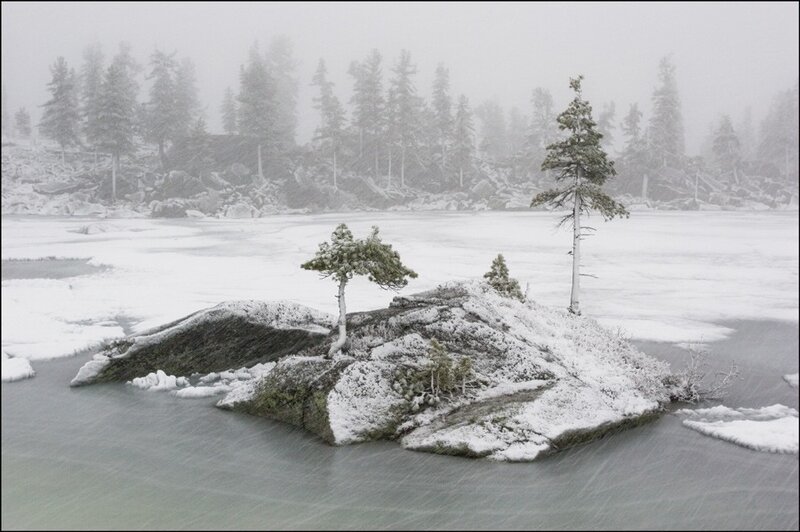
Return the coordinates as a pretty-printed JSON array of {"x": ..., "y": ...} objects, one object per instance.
[{"x": 499, "y": 279}]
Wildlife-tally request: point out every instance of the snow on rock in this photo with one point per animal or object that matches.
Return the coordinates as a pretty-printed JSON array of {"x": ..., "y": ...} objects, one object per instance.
[
  {"x": 231, "y": 334},
  {"x": 15, "y": 369},
  {"x": 771, "y": 429},
  {"x": 791, "y": 379},
  {"x": 543, "y": 379},
  {"x": 89, "y": 371},
  {"x": 159, "y": 381},
  {"x": 225, "y": 382}
]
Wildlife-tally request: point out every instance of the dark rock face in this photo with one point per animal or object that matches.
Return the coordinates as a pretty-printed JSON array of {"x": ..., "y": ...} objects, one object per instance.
[{"x": 231, "y": 335}]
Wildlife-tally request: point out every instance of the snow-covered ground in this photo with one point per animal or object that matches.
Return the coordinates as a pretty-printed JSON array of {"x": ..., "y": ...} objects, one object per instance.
[{"x": 660, "y": 276}]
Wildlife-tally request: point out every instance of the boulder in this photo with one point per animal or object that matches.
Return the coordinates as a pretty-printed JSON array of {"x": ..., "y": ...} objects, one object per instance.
[{"x": 483, "y": 190}]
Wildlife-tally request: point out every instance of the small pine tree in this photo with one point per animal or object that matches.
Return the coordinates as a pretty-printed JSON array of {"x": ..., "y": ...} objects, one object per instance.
[
  {"x": 499, "y": 279},
  {"x": 345, "y": 257},
  {"x": 228, "y": 111}
]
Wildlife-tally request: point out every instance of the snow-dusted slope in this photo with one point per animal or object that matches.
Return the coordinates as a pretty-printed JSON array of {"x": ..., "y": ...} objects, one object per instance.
[
  {"x": 231, "y": 334},
  {"x": 542, "y": 378}
]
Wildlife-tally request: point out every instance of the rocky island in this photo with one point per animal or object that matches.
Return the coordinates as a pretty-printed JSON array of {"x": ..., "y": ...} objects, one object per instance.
[{"x": 459, "y": 370}]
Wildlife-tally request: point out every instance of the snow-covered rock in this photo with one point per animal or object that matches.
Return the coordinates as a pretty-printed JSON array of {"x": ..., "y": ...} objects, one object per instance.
[
  {"x": 15, "y": 369},
  {"x": 543, "y": 379},
  {"x": 231, "y": 334},
  {"x": 159, "y": 381},
  {"x": 791, "y": 379}
]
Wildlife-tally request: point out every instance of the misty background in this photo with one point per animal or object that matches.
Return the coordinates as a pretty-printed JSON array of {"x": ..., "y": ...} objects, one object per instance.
[{"x": 728, "y": 56}]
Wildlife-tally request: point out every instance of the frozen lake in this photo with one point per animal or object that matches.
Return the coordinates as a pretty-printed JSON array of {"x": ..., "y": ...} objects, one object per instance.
[{"x": 112, "y": 456}]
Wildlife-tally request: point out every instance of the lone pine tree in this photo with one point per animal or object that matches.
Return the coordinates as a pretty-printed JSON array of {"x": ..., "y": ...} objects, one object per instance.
[
  {"x": 499, "y": 279},
  {"x": 582, "y": 168},
  {"x": 345, "y": 257}
]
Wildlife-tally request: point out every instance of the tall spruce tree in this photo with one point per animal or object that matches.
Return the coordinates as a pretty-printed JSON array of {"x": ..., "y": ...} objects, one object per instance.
[
  {"x": 61, "y": 117},
  {"x": 583, "y": 167},
  {"x": 257, "y": 100},
  {"x": 282, "y": 66},
  {"x": 331, "y": 128},
  {"x": 493, "y": 143},
  {"x": 542, "y": 130},
  {"x": 160, "y": 117},
  {"x": 187, "y": 105},
  {"x": 443, "y": 110},
  {"x": 634, "y": 155},
  {"x": 405, "y": 110},
  {"x": 91, "y": 87},
  {"x": 727, "y": 149},
  {"x": 228, "y": 111},
  {"x": 605, "y": 124},
  {"x": 117, "y": 125},
  {"x": 778, "y": 138},
  {"x": 463, "y": 139},
  {"x": 368, "y": 108},
  {"x": 665, "y": 132}
]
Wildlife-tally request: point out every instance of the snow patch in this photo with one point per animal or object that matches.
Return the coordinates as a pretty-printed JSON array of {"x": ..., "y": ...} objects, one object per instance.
[
  {"x": 15, "y": 369},
  {"x": 771, "y": 429},
  {"x": 159, "y": 381},
  {"x": 791, "y": 379}
]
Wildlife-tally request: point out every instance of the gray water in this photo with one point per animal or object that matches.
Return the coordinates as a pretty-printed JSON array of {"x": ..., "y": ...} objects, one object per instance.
[
  {"x": 108, "y": 456},
  {"x": 46, "y": 268}
]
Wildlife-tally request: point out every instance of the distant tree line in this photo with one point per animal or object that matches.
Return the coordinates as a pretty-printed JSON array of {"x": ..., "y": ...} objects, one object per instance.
[{"x": 389, "y": 131}]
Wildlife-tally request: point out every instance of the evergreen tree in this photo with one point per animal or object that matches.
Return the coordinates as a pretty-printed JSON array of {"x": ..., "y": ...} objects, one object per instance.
[
  {"x": 605, "y": 124},
  {"x": 229, "y": 111},
  {"x": 23, "y": 123},
  {"x": 405, "y": 110},
  {"x": 666, "y": 124},
  {"x": 442, "y": 108},
  {"x": 747, "y": 135},
  {"x": 61, "y": 118},
  {"x": 778, "y": 139},
  {"x": 368, "y": 106},
  {"x": 499, "y": 279},
  {"x": 187, "y": 106},
  {"x": 331, "y": 125},
  {"x": 517, "y": 133},
  {"x": 256, "y": 100},
  {"x": 119, "y": 108},
  {"x": 634, "y": 159},
  {"x": 463, "y": 139},
  {"x": 583, "y": 167},
  {"x": 493, "y": 133},
  {"x": 727, "y": 150},
  {"x": 91, "y": 87},
  {"x": 6, "y": 122},
  {"x": 345, "y": 257},
  {"x": 543, "y": 127},
  {"x": 160, "y": 116},
  {"x": 282, "y": 66}
]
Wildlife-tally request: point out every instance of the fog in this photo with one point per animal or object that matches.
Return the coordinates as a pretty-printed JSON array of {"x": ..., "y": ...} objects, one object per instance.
[{"x": 728, "y": 56}]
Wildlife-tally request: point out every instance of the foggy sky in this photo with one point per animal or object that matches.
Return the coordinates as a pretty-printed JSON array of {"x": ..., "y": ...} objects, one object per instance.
[{"x": 728, "y": 56}]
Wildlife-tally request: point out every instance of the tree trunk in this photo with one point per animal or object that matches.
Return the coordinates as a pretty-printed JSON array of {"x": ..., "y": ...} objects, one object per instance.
[
  {"x": 403, "y": 167},
  {"x": 260, "y": 168},
  {"x": 461, "y": 177},
  {"x": 95, "y": 159},
  {"x": 334, "y": 168},
  {"x": 64, "y": 160},
  {"x": 389, "y": 185},
  {"x": 114, "y": 164},
  {"x": 574, "y": 304},
  {"x": 644, "y": 187},
  {"x": 360, "y": 143},
  {"x": 377, "y": 170},
  {"x": 339, "y": 343},
  {"x": 786, "y": 160},
  {"x": 696, "y": 175}
]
